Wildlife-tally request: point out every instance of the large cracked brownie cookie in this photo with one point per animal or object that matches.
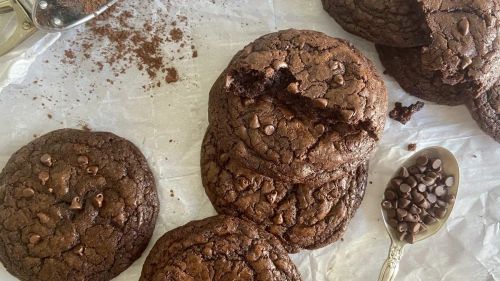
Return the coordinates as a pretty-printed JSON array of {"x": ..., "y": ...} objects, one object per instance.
[
  {"x": 299, "y": 105},
  {"x": 75, "y": 205},
  {"x": 465, "y": 42},
  {"x": 405, "y": 65},
  {"x": 485, "y": 109},
  {"x": 397, "y": 23},
  {"x": 220, "y": 248},
  {"x": 302, "y": 216},
  {"x": 462, "y": 59}
]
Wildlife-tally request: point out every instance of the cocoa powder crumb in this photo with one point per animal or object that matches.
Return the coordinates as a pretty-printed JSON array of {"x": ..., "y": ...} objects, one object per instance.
[{"x": 172, "y": 75}]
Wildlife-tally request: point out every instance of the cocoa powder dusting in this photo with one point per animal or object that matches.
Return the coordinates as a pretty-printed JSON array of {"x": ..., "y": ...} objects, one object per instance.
[{"x": 114, "y": 41}]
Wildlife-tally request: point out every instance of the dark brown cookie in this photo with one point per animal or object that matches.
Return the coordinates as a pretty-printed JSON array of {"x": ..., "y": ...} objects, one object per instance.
[
  {"x": 465, "y": 42},
  {"x": 75, "y": 205},
  {"x": 302, "y": 216},
  {"x": 220, "y": 248},
  {"x": 485, "y": 109},
  {"x": 396, "y": 23},
  {"x": 405, "y": 65},
  {"x": 299, "y": 106}
]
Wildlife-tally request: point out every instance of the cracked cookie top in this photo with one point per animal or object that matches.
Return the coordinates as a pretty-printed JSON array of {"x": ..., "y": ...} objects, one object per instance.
[
  {"x": 75, "y": 205},
  {"x": 486, "y": 111},
  {"x": 218, "y": 248},
  {"x": 302, "y": 216},
  {"x": 397, "y": 23},
  {"x": 465, "y": 42},
  {"x": 296, "y": 103}
]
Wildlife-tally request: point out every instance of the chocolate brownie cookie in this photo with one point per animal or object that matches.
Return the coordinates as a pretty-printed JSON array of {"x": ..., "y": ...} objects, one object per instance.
[
  {"x": 485, "y": 109},
  {"x": 397, "y": 23},
  {"x": 218, "y": 248},
  {"x": 302, "y": 216},
  {"x": 465, "y": 43},
  {"x": 299, "y": 106},
  {"x": 75, "y": 205},
  {"x": 405, "y": 65}
]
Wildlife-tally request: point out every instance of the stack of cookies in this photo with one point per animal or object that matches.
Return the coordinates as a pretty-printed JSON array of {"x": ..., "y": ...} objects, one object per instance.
[
  {"x": 445, "y": 51},
  {"x": 293, "y": 119}
]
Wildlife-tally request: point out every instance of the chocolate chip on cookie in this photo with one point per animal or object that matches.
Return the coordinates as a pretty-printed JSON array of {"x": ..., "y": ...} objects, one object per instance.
[
  {"x": 302, "y": 216},
  {"x": 299, "y": 106},
  {"x": 397, "y": 23},
  {"x": 218, "y": 248},
  {"x": 60, "y": 222}
]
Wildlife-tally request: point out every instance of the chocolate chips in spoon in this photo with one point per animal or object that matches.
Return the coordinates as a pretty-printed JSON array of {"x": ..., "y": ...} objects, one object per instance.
[{"x": 417, "y": 197}]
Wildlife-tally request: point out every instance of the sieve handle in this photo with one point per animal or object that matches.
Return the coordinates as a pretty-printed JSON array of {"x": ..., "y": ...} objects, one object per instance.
[{"x": 5, "y": 7}]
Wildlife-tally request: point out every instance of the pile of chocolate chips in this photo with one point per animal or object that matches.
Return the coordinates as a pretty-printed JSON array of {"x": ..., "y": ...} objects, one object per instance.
[{"x": 417, "y": 197}]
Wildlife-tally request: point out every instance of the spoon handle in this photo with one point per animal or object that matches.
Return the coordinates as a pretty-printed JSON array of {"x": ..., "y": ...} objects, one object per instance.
[{"x": 391, "y": 266}]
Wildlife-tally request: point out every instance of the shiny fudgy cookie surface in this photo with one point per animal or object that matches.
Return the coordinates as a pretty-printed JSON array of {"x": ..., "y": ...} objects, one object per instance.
[{"x": 75, "y": 205}]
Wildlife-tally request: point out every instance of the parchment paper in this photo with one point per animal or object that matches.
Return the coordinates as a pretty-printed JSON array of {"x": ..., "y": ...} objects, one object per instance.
[{"x": 168, "y": 124}]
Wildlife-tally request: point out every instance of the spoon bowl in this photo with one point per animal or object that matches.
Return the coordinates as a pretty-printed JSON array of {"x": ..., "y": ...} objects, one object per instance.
[
  {"x": 450, "y": 168},
  {"x": 60, "y": 15}
]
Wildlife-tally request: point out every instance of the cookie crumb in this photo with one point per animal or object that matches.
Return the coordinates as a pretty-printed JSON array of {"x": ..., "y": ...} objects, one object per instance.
[
  {"x": 412, "y": 147},
  {"x": 403, "y": 114},
  {"x": 49, "y": 116}
]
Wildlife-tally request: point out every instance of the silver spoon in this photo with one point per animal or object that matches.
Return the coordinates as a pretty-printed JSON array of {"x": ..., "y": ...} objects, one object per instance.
[
  {"x": 46, "y": 15},
  {"x": 450, "y": 168}
]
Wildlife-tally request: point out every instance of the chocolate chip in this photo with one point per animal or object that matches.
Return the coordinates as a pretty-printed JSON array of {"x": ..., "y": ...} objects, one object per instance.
[
  {"x": 415, "y": 210},
  {"x": 46, "y": 159},
  {"x": 436, "y": 163},
  {"x": 421, "y": 187},
  {"x": 428, "y": 181},
  {"x": 44, "y": 219},
  {"x": 422, "y": 161},
  {"x": 390, "y": 195},
  {"x": 402, "y": 236},
  {"x": 269, "y": 130},
  {"x": 83, "y": 160},
  {"x": 44, "y": 177},
  {"x": 450, "y": 198},
  {"x": 293, "y": 88},
  {"x": 278, "y": 219},
  {"x": 414, "y": 227},
  {"x": 402, "y": 227},
  {"x": 466, "y": 61},
  {"x": 396, "y": 183},
  {"x": 431, "y": 197},
  {"x": 320, "y": 103},
  {"x": 339, "y": 79},
  {"x": 28, "y": 192},
  {"x": 429, "y": 220},
  {"x": 449, "y": 181},
  {"x": 279, "y": 65},
  {"x": 79, "y": 250},
  {"x": 418, "y": 198},
  {"x": 440, "y": 212},
  {"x": 98, "y": 199},
  {"x": 411, "y": 181},
  {"x": 403, "y": 172},
  {"x": 404, "y": 188},
  {"x": 92, "y": 170},
  {"x": 401, "y": 213},
  {"x": 403, "y": 203},
  {"x": 441, "y": 203},
  {"x": 271, "y": 197},
  {"x": 34, "y": 239},
  {"x": 440, "y": 191},
  {"x": 391, "y": 213},
  {"x": 410, "y": 238},
  {"x": 411, "y": 218},
  {"x": 387, "y": 204},
  {"x": 76, "y": 204},
  {"x": 424, "y": 204},
  {"x": 463, "y": 26},
  {"x": 422, "y": 169},
  {"x": 254, "y": 123},
  {"x": 414, "y": 170}
]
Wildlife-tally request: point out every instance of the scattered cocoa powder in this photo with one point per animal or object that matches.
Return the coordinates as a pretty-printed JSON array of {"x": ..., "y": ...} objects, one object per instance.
[{"x": 115, "y": 42}]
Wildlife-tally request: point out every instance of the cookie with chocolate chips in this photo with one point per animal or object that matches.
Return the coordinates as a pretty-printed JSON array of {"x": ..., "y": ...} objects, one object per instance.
[
  {"x": 75, "y": 205},
  {"x": 463, "y": 55},
  {"x": 485, "y": 109},
  {"x": 299, "y": 106},
  {"x": 218, "y": 248},
  {"x": 302, "y": 216},
  {"x": 397, "y": 23}
]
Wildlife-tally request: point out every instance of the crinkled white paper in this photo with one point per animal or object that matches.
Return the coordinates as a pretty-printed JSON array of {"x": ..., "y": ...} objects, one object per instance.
[{"x": 168, "y": 124}]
